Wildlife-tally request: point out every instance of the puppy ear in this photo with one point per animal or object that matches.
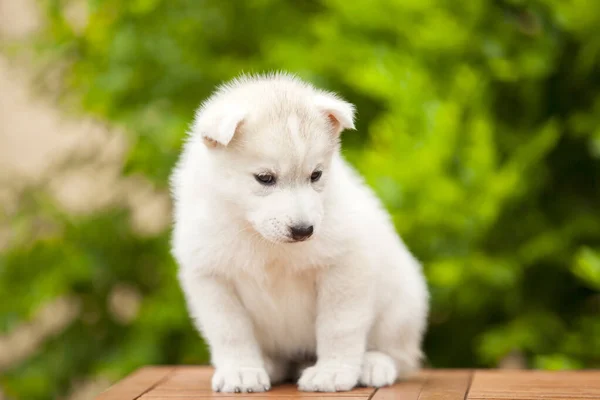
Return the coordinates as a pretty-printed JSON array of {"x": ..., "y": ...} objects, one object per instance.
[
  {"x": 217, "y": 125},
  {"x": 339, "y": 112}
]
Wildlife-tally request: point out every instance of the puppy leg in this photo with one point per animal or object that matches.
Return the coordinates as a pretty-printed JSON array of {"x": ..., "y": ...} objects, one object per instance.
[
  {"x": 344, "y": 316},
  {"x": 395, "y": 345},
  {"x": 396, "y": 336},
  {"x": 235, "y": 352},
  {"x": 407, "y": 355}
]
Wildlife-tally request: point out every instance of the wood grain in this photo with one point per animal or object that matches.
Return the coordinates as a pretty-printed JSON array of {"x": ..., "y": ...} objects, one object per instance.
[
  {"x": 429, "y": 385},
  {"x": 407, "y": 390},
  {"x": 533, "y": 385},
  {"x": 187, "y": 383},
  {"x": 136, "y": 384}
]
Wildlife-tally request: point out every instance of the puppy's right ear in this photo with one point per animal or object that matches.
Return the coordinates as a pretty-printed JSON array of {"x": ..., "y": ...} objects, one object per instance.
[
  {"x": 217, "y": 125},
  {"x": 339, "y": 112}
]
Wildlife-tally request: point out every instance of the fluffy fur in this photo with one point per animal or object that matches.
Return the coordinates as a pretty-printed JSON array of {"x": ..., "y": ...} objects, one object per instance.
[{"x": 347, "y": 306}]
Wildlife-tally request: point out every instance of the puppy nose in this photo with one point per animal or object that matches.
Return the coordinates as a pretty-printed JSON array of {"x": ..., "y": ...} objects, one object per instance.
[{"x": 301, "y": 232}]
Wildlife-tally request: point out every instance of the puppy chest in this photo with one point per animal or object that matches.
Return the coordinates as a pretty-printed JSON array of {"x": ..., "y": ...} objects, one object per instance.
[{"x": 283, "y": 311}]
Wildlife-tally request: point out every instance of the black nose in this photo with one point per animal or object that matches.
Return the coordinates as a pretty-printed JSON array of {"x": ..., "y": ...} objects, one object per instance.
[{"x": 301, "y": 232}]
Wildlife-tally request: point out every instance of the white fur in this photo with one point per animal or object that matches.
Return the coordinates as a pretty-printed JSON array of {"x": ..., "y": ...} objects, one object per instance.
[{"x": 352, "y": 296}]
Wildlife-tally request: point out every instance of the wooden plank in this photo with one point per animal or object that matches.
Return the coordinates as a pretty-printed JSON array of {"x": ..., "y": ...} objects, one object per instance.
[
  {"x": 186, "y": 383},
  {"x": 136, "y": 384},
  {"x": 533, "y": 385},
  {"x": 430, "y": 385},
  {"x": 446, "y": 385},
  {"x": 195, "y": 383},
  {"x": 254, "y": 396},
  {"x": 275, "y": 392},
  {"x": 188, "y": 378},
  {"x": 405, "y": 390}
]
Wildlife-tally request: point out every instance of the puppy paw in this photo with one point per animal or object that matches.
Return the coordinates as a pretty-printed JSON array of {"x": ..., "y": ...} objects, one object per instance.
[
  {"x": 242, "y": 379},
  {"x": 328, "y": 378},
  {"x": 378, "y": 370}
]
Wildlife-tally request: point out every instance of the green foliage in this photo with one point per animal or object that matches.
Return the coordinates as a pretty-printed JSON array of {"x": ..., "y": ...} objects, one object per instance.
[
  {"x": 83, "y": 260},
  {"x": 478, "y": 126}
]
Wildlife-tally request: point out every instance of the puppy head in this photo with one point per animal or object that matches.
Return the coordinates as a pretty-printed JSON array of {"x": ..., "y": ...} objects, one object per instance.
[{"x": 270, "y": 142}]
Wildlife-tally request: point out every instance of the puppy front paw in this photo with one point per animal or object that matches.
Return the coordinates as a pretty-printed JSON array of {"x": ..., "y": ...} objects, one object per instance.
[
  {"x": 241, "y": 379},
  {"x": 378, "y": 370},
  {"x": 330, "y": 377}
]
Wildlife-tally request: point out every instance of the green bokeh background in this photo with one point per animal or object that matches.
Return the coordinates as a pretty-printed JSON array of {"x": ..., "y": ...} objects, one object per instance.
[{"x": 478, "y": 126}]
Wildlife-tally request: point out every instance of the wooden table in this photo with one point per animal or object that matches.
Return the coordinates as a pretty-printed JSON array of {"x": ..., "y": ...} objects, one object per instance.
[{"x": 187, "y": 383}]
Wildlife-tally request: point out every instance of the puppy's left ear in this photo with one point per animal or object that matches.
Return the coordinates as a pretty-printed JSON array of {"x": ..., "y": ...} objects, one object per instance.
[
  {"x": 218, "y": 123},
  {"x": 339, "y": 112}
]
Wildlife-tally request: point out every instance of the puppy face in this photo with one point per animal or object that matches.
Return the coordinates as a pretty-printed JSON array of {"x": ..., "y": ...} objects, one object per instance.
[
  {"x": 274, "y": 168},
  {"x": 275, "y": 171}
]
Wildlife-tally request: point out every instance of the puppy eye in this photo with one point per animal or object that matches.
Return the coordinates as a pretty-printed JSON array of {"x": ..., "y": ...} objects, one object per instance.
[
  {"x": 265, "y": 179},
  {"x": 315, "y": 176}
]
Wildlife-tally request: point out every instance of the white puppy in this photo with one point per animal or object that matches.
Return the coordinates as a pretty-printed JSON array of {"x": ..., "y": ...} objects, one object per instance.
[{"x": 285, "y": 256}]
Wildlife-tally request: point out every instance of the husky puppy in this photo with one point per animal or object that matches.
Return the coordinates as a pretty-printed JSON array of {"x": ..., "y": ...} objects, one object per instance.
[{"x": 289, "y": 263}]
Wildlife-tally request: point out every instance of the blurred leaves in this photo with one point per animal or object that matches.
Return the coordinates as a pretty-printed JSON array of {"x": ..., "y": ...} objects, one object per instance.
[
  {"x": 477, "y": 126},
  {"x": 587, "y": 267}
]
